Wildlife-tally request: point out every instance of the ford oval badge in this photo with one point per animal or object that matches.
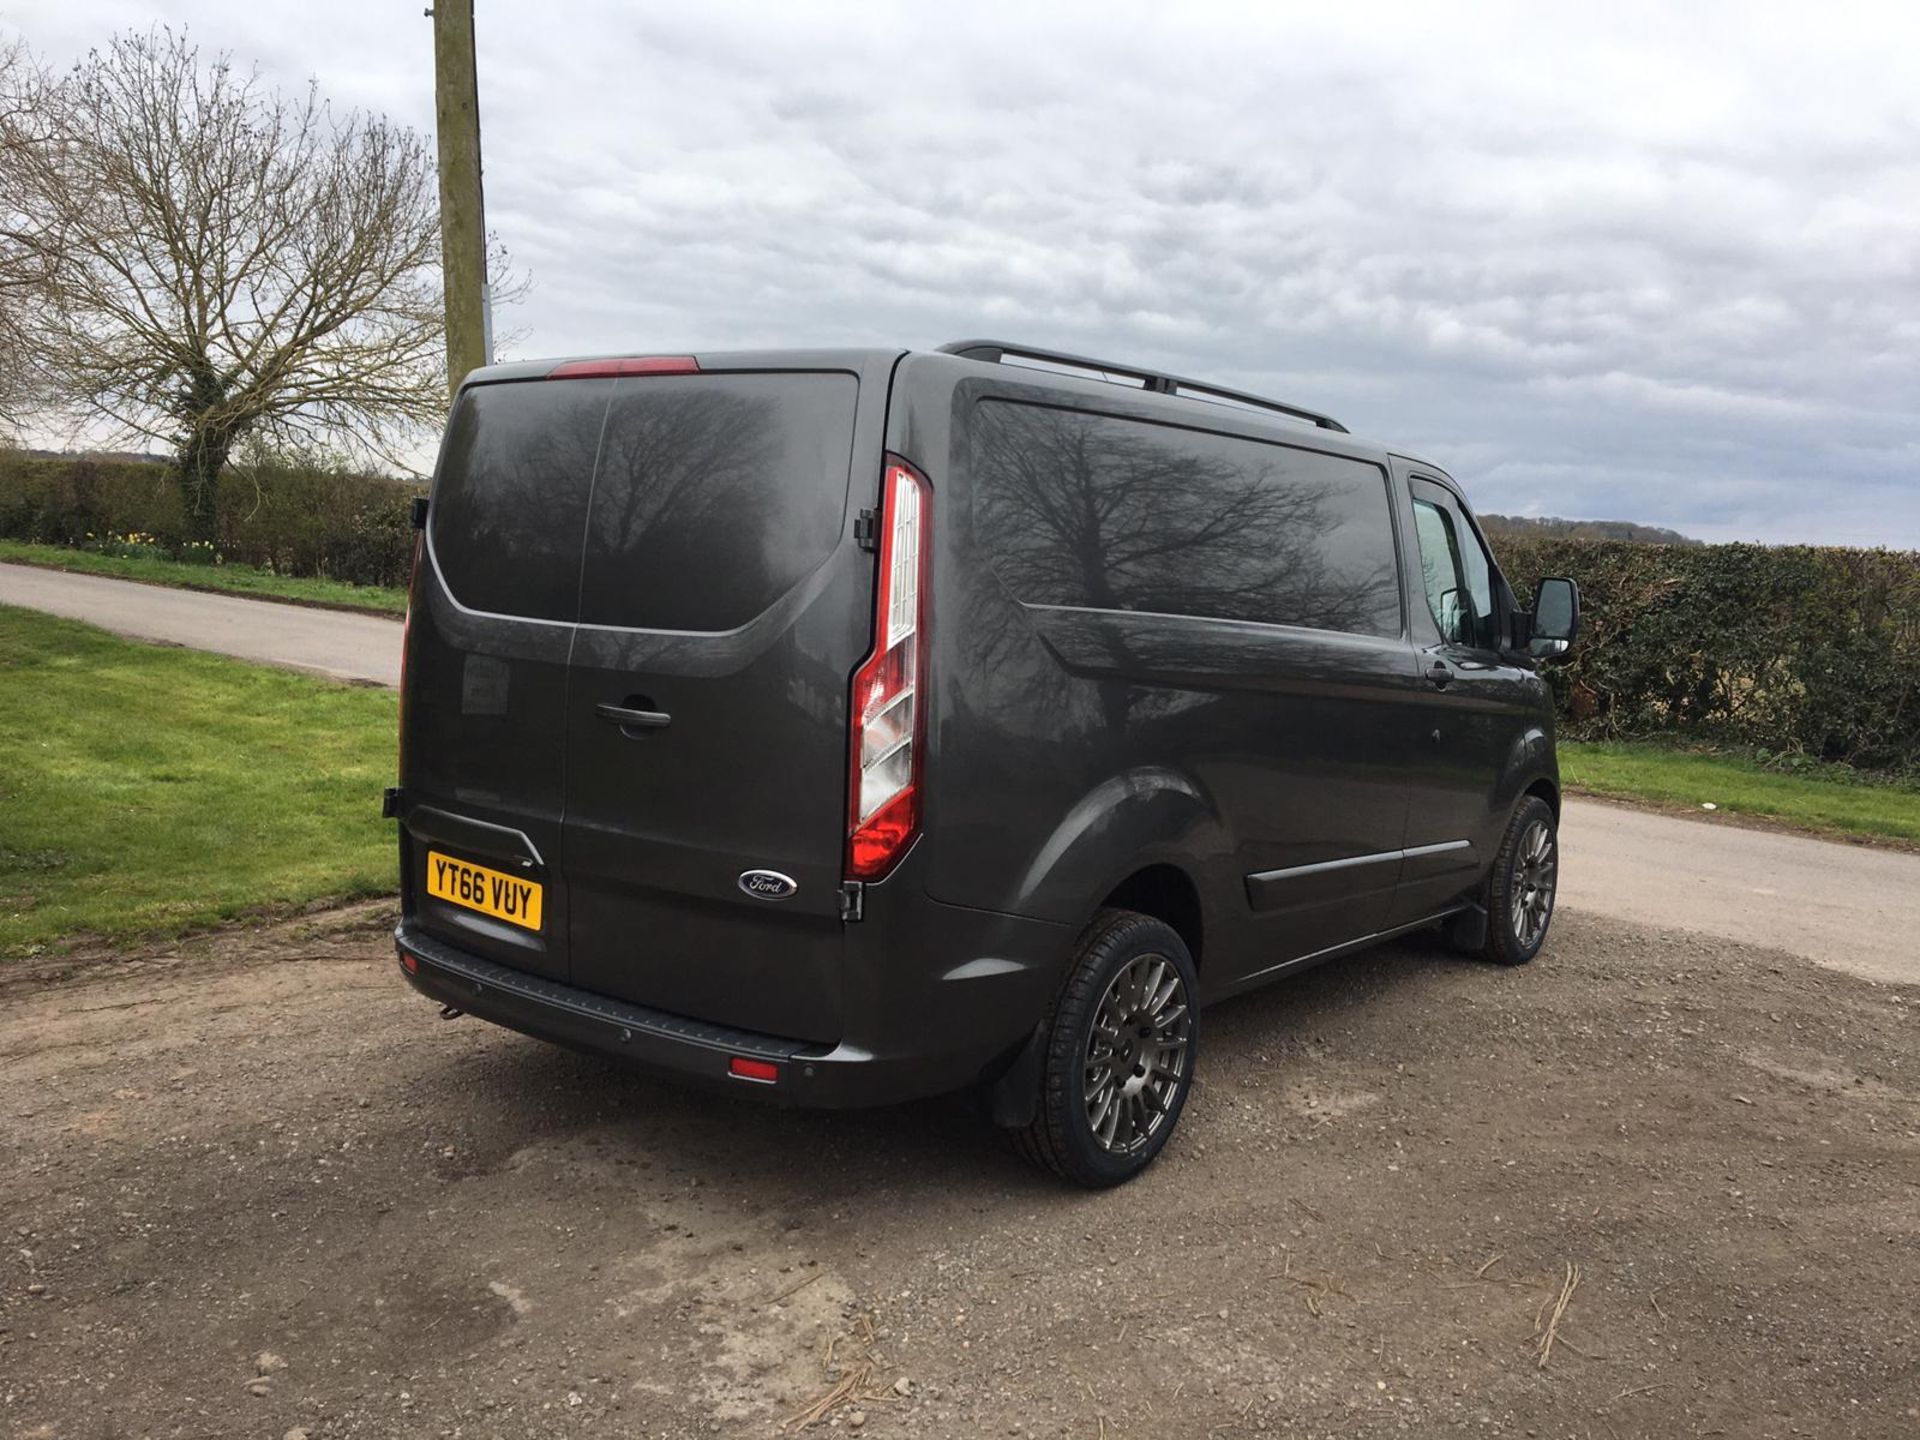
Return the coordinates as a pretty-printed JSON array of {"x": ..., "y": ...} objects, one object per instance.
[{"x": 768, "y": 885}]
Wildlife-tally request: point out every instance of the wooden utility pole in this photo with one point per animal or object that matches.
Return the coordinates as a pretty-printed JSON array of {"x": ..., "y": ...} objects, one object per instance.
[{"x": 463, "y": 223}]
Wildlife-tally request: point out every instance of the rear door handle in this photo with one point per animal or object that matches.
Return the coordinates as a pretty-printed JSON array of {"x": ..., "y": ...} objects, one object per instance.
[
  {"x": 634, "y": 719},
  {"x": 1440, "y": 673}
]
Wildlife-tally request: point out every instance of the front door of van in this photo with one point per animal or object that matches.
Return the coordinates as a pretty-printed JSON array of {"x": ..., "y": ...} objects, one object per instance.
[{"x": 1475, "y": 709}]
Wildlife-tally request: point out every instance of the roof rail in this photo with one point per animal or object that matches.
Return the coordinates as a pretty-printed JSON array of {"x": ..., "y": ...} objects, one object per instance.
[{"x": 993, "y": 351}]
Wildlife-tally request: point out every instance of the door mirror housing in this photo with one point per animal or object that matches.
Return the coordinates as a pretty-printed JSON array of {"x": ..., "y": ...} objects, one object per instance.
[{"x": 1555, "y": 621}]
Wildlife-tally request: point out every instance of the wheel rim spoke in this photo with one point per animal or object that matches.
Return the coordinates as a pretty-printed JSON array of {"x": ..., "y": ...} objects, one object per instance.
[
  {"x": 1136, "y": 1056},
  {"x": 1533, "y": 884}
]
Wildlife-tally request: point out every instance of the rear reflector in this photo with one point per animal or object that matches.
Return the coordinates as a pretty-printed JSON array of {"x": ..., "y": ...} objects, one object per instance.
[
  {"x": 889, "y": 714},
  {"x": 409, "y": 963},
  {"x": 625, "y": 365},
  {"x": 741, "y": 1068}
]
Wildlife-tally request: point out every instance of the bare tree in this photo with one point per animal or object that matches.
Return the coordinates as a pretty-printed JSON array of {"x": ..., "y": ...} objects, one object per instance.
[
  {"x": 230, "y": 262},
  {"x": 26, "y": 244}
]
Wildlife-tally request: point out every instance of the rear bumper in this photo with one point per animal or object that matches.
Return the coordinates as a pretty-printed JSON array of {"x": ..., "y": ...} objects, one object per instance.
[{"x": 912, "y": 1050}]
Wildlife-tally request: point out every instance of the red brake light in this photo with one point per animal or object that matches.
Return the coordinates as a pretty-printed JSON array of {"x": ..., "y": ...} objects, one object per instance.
[
  {"x": 741, "y": 1068},
  {"x": 625, "y": 365},
  {"x": 889, "y": 716}
]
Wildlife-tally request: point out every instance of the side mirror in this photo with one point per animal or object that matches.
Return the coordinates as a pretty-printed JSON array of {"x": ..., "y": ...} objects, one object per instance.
[{"x": 1555, "y": 621}]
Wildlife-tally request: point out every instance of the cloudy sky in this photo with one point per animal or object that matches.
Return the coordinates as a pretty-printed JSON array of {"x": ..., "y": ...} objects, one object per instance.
[{"x": 1654, "y": 262}]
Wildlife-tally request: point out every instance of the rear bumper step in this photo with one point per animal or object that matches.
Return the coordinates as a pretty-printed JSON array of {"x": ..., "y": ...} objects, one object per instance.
[{"x": 805, "y": 1073}]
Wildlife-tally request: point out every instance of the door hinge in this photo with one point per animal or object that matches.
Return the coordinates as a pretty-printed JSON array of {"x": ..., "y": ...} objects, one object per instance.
[
  {"x": 417, "y": 512},
  {"x": 866, "y": 530},
  {"x": 390, "y": 802},
  {"x": 853, "y": 901}
]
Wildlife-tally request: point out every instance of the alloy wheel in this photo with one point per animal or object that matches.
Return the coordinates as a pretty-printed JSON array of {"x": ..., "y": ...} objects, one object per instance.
[
  {"x": 1137, "y": 1050},
  {"x": 1536, "y": 868}
]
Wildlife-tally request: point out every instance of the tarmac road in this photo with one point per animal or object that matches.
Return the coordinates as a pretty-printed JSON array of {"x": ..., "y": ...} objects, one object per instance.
[{"x": 334, "y": 643}]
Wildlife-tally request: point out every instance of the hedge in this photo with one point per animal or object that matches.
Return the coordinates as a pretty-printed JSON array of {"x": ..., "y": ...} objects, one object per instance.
[
  {"x": 1796, "y": 650},
  {"x": 289, "y": 518}
]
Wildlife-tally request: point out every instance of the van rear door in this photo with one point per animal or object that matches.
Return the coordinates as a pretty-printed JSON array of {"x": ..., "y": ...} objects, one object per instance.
[
  {"x": 491, "y": 627},
  {"x": 724, "y": 604}
]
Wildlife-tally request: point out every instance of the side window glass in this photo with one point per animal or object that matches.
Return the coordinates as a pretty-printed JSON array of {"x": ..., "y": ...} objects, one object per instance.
[
  {"x": 1456, "y": 570},
  {"x": 1101, "y": 512},
  {"x": 1480, "y": 624},
  {"x": 1440, "y": 569}
]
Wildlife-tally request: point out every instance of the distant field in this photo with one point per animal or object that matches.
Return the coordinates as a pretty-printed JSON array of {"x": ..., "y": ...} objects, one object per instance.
[
  {"x": 149, "y": 790},
  {"x": 224, "y": 579},
  {"x": 1829, "y": 800}
]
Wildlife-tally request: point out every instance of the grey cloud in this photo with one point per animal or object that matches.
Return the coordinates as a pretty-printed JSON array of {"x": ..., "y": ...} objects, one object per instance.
[{"x": 1634, "y": 263}]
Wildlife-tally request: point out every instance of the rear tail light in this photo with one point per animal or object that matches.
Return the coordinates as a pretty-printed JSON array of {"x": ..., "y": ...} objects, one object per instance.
[{"x": 889, "y": 701}]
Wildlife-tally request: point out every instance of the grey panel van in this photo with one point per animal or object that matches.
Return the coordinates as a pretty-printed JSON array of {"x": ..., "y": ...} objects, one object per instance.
[{"x": 843, "y": 727}]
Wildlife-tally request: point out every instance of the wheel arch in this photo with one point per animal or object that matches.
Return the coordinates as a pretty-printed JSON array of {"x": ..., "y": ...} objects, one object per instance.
[{"x": 1167, "y": 893}]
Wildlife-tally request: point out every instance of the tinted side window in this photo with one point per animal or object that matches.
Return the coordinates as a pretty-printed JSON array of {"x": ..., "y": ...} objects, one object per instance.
[
  {"x": 716, "y": 495},
  {"x": 510, "y": 500},
  {"x": 1110, "y": 514},
  {"x": 1457, "y": 575}
]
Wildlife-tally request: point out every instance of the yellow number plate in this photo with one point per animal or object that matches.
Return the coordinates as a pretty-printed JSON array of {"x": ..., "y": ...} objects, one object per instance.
[{"x": 506, "y": 897}]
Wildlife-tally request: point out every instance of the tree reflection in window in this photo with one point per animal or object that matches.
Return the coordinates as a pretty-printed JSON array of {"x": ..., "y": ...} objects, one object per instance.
[
  {"x": 511, "y": 499},
  {"x": 715, "y": 495},
  {"x": 1109, "y": 514}
]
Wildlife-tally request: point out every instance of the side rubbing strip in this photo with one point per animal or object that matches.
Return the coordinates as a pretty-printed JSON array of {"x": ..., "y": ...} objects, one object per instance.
[
  {"x": 1385, "y": 857},
  {"x": 1440, "y": 849},
  {"x": 1432, "y": 862},
  {"x": 1329, "y": 880},
  {"x": 1299, "y": 886}
]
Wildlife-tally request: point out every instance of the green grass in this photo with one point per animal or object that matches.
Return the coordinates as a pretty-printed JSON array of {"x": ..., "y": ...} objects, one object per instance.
[
  {"x": 1830, "y": 799},
  {"x": 147, "y": 791},
  {"x": 225, "y": 579}
]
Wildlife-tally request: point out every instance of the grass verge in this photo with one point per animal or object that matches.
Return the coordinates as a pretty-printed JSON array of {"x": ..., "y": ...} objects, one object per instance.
[
  {"x": 222, "y": 579},
  {"x": 1832, "y": 799},
  {"x": 148, "y": 791}
]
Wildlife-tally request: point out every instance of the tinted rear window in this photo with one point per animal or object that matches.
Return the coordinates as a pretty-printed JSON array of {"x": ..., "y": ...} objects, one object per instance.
[
  {"x": 510, "y": 503},
  {"x": 1102, "y": 513},
  {"x": 716, "y": 495}
]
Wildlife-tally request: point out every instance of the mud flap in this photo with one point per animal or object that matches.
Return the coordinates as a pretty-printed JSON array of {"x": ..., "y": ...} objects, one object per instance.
[
  {"x": 1013, "y": 1101},
  {"x": 1467, "y": 930}
]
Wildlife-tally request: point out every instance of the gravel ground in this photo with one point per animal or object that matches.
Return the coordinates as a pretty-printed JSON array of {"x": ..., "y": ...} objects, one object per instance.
[{"x": 252, "y": 1187}]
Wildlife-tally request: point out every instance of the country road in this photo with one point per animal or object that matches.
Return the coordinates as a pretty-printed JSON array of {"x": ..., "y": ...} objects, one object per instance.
[
  {"x": 334, "y": 643},
  {"x": 1848, "y": 907}
]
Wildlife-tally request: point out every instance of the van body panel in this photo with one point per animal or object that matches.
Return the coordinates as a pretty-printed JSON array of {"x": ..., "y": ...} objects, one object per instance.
[
  {"x": 713, "y": 580},
  {"x": 1491, "y": 728},
  {"x": 722, "y": 587},
  {"x": 489, "y": 638},
  {"x": 1297, "y": 739},
  {"x": 1163, "y": 633}
]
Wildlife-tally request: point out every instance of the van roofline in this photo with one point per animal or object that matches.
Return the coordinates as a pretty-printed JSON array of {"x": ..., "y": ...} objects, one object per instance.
[
  {"x": 855, "y": 359},
  {"x": 994, "y": 352},
  {"x": 1079, "y": 375}
]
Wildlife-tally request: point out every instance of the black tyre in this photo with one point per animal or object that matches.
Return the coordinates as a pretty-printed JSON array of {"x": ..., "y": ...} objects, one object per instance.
[
  {"x": 1520, "y": 890},
  {"x": 1119, "y": 1052}
]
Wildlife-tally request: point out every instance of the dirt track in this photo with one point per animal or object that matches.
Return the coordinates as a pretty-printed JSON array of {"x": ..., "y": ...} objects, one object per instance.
[{"x": 267, "y": 1144}]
